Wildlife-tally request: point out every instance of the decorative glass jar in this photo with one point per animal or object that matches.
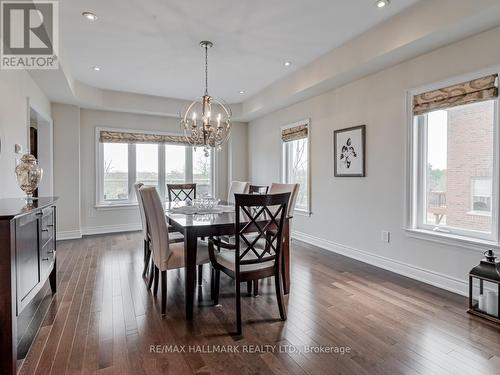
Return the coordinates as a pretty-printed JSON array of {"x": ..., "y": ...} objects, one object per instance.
[
  {"x": 29, "y": 174},
  {"x": 484, "y": 288}
]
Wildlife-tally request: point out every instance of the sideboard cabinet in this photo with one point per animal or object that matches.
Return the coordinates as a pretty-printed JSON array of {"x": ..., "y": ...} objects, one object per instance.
[{"x": 27, "y": 261}]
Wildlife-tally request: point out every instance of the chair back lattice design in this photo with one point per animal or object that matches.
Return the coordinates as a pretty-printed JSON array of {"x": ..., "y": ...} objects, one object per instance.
[
  {"x": 258, "y": 189},
  {"x": 181, "y": 192},
  {"x": 259, "y": 227}
]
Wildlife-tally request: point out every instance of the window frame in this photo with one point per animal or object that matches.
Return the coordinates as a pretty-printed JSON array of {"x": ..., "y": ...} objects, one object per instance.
[
  {"x": 472, "y": 195},
  {"x": 283, "y": 168},
  {"x": 132, "y": 171},
  {"x": 415, "y": 175}
]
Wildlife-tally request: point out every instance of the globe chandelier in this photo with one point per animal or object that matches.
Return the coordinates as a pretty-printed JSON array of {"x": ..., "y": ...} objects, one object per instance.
[{"x": 207, "y": 120}]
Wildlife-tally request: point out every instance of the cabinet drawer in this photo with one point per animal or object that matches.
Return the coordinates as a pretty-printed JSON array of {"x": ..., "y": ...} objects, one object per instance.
[
  {"x": 47, "y": 225},
  {"x": 47, "y": 255}
]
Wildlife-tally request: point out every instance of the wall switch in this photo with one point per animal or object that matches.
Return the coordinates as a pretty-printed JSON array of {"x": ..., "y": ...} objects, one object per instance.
[{"x": 386, "y": 236}]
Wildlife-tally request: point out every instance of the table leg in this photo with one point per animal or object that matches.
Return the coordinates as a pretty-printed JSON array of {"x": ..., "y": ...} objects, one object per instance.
[
  {"x": 190, "y": 245},
  {"x": 285, "y": 263}
]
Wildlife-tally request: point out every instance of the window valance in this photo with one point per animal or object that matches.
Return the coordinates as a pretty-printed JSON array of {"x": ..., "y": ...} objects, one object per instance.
[
  {"x": 476, "y": 90},
  {"x": 130, "y": 137},
  {"x": 294, "y": 133}
]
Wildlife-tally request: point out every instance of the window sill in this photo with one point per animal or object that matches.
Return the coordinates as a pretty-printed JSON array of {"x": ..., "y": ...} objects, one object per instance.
[
  {"x": 115, "y": 206},
  {"x": 479, "y": 213},
  {"x": 302, "y": 213},
  {"x": 474, "y": 244}
]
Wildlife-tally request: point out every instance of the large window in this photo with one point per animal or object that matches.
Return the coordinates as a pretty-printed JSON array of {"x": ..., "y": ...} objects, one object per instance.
[
  {"x": 455, "y": 168},
  {"x": 295, "y": 162},
  {"x": 121, "y": 165}
]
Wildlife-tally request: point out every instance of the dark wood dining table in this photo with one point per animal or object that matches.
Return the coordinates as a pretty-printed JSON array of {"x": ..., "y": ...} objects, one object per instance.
[{"x": 199, "y": 225}]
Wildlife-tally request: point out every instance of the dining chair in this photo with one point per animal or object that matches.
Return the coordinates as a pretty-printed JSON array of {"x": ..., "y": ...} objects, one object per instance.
[
  {"x": 258, "y": 189},
  {"x": 237, "y": 187},
  {"x": 165, "y": 255},
  {"x": 181, "y": 192},
  {"x": 145, "y": 231},
  {"x": 293, "y": 189},
  {"x": 256, "y": 251}
]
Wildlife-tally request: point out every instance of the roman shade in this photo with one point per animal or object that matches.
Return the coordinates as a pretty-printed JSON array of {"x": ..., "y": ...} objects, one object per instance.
[
  {"x": 476, "y": 90},
  {"x": 129, "y": 137},
  {"x": 294, "y": 133}
]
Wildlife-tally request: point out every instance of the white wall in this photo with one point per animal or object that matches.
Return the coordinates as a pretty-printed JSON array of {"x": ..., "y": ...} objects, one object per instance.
[
  {"x": 15, "y": 88},
  {"x": 350, "y": 213},
  {"x": 66, "y": 120}
]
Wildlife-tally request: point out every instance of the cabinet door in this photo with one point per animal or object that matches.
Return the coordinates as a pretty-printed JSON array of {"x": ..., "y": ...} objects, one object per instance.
[{"x": 27, "y": 255}]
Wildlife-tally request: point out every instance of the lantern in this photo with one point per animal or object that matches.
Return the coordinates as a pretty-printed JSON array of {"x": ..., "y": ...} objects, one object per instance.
[{"x": 484, "y": 288}]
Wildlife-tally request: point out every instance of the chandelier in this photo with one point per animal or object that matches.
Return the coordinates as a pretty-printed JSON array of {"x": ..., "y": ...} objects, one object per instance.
[{"x": 207, "y": 120}]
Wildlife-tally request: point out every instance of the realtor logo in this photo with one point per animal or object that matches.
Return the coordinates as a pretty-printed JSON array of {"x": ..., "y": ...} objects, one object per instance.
[{"x": 29, "y": 35}]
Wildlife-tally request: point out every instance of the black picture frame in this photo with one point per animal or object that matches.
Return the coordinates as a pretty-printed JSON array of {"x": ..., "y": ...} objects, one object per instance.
[{"x": 336, "y": 151}]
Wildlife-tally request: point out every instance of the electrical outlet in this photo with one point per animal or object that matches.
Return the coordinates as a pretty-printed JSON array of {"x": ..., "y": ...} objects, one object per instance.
[{"x": 386, "y": 236}]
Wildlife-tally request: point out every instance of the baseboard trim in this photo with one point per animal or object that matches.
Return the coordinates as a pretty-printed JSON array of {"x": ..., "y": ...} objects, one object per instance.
[
  {"x": 68, "y": 235},
  {"x": 439, "y": 280},
  {"x": 104, "y": 229}
]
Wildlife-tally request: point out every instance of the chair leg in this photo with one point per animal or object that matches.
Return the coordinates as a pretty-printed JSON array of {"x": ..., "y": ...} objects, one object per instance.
[
  {"x": 163, "y": 292},
  {"x": 216, "y": 286},
  {"x": 157, "y": 276},
  {"x": 151, "y": 274},
  {"x": 256, "y": 288},
  {"x": 238, "y": 308},
  {"x": 249, "y": 287},
  {"x": 279, "y": 295},
  {"x": 147, "y": 255},
  {"x": 212, "y": 282},
  {"x": 200, "y": 274}
]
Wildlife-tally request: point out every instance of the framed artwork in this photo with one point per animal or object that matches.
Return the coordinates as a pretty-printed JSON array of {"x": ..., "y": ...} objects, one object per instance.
[{"x": 349, "y": 151}]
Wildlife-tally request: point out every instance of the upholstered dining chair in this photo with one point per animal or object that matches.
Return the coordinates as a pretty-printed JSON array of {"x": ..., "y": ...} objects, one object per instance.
[
  {"x": 175, "y": 237},
  {"x": 145, "y": 231},
  {"x": 256, "y": 251},
  {"x": 181, "y": 192},
  {"x": 293, "y": 189},
  {"x": 258, "y": 189},
  {"x": 237, "y": 187},
  {"x": 165, "y": 255}
]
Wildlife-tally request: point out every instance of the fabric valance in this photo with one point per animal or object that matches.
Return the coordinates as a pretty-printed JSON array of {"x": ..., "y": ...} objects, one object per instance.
[
  {"x": 129, "y": 137},
  {"x": 294, "y": 133},
  {"x": 476, "y": 90}
]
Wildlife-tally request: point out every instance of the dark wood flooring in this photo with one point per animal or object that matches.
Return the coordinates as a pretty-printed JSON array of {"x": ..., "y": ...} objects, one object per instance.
[{"x": 104, "y": 320}]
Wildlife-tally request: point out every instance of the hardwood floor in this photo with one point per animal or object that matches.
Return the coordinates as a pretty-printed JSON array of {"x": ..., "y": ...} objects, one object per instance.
[{"x": 103, "y": 320}]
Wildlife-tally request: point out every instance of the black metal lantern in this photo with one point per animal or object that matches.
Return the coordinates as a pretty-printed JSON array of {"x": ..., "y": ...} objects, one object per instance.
[{"x": 485, "y": 300}]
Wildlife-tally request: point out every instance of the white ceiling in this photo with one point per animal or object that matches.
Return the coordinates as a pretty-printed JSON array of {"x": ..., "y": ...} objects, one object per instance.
[{"x": 151, "y": 47}]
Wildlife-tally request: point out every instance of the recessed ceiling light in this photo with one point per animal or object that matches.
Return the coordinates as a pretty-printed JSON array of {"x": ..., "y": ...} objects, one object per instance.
[
  {"x": 287, "y": 63},
  {"x": 90, "y": 16},
  {"x": 242, "y": 92},
  {"x": 382, "y": 3},
  {"x": 96, "y": 68}
]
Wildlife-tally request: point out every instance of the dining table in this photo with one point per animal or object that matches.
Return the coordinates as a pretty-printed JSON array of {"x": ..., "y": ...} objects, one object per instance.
[{"x": 205, "y": 222}]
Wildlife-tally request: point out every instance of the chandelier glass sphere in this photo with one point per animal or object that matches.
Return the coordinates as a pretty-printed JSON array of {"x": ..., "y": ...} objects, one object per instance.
[{"x": 206, "y": 122}]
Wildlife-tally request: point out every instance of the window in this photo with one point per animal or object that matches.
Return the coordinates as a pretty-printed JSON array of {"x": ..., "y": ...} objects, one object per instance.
[
  {"x": 120, "y": 164},
  {"x": 146, "y": 164},
  {"x": 175, "y": 164},
  {"x": 482, "y": 192},
  {"x": 295, "y": 162},
  {"x": 115, "y": 170},
  {"x": 453, "y": 168},
  {"x": 202, "y": 171}
]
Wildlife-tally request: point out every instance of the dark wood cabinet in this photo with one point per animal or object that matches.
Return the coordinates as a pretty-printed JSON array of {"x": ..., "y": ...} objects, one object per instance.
[{"x": 27, "y": 261}]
